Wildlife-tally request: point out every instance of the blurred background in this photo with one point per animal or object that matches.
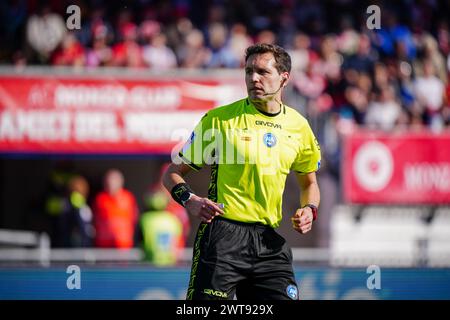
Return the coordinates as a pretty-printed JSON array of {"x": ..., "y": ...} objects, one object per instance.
[{"x": 92, "y": 106}]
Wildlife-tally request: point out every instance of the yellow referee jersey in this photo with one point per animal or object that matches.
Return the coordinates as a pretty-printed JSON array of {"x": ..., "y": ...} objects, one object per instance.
[{"x": 251, "y": 154}]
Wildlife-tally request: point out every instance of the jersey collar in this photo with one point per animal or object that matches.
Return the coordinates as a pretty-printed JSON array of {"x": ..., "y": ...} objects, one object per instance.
[{"x": 283, "y": 108}]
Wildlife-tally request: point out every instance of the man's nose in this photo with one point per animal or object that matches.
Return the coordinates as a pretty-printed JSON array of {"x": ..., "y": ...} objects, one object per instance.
[{"x": 255, "y": 77}]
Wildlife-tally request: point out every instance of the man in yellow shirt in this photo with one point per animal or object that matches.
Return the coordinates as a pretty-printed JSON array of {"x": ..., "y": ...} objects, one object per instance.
[{"x": 251, "y": 145}]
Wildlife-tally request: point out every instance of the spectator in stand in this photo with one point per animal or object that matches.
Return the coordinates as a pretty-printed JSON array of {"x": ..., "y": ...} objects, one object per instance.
[
  {"x": 115, "y": 213},
  {"x": 70, "y": 53},
  {"x": 443, "y": 37},
  {"x": 431, "y": 53},
  {"x": 364, "y": 58},
  {"x": 357, "y": 97},
  {"x": 385, "y": 111},
  {"x": 287, "y": 27},
  {"x": 221, "y": 55},
  {"x": 100, "y": 54},
  {"x": 430, "y": 93},
  {"x": 330, "y": 61},
  {"x": 381, "y": 76},
  {"x": 301, "y": 53},
  {"x": 348, "y": 39},
  {"x": 90, "y": 23},
  {"x": 266, "y": 36},
  {"x": 193, "y": 53},
  {"x": 158, "y": 55},
  {"x": 390, "y": 33},
  {"x": 128, "y": 53},
  {"x": 405, "y": 82},
  {"x": 239, "y": 41},
  {"x": 177, "y": 32},
  {"x": 309, "y": 85}
]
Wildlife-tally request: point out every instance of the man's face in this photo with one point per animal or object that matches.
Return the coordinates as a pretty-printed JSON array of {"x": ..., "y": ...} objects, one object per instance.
[
  {"x": 262, "y": 78},
  {"x": 113, "y": 182}
]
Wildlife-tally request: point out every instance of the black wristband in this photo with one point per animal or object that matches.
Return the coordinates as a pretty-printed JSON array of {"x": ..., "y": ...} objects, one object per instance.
[
  {"x": 179, "y": 191},
  {"x": 313, "y": 209}
]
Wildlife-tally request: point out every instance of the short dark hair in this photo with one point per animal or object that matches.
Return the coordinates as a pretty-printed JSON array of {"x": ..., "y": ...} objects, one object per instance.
[{"x": 282, "y": 58}]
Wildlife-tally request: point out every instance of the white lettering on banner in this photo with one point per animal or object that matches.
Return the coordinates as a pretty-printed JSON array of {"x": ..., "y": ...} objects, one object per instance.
[
  {"x": 96, "y": 126},
  {"x": 83, "y": 96},
  {"x": 427, "y": 176},
  {"x": 116, "y": 97},
  {"x": 36, "y": 125},
  {"x": 152, "y": 98},
  {"x": 148, "y": 127}
]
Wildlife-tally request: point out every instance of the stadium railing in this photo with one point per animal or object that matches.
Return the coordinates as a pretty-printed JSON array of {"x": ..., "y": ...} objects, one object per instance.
[{"x": 16, "y": 245}]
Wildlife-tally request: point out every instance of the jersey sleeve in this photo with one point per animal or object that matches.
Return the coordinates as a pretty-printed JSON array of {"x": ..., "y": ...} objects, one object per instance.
[
  {"x": 308, "y": 157},
  {"x": 193, "y": 151}
]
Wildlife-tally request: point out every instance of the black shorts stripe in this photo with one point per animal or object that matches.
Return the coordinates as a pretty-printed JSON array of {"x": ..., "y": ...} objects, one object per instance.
[{"x": 195, "y": 261}]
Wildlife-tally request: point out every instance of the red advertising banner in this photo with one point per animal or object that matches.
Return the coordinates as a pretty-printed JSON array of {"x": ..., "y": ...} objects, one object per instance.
[
  {"x": 105, "y": 114},
  {"x": 410, "y": 168}
]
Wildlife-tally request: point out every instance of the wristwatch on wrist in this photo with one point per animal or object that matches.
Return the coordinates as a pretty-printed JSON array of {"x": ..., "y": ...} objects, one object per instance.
[
  {"x": 185, "y": 196},
  {"x": 313, "y": 209}
]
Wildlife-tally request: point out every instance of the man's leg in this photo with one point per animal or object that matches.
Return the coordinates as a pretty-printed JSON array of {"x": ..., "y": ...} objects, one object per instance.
[
  {"x": 213, "y": 274},
  {"x": 272, "y": 277}
]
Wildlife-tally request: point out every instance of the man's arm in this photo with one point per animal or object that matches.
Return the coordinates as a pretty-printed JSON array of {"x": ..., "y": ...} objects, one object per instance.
[
  {"x": 310, "y": 194},
  {"x": 202, "y": 208}
]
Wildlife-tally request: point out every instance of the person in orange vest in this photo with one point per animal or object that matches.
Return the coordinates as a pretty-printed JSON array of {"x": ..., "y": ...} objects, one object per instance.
[{"x": 115, "y": 213}]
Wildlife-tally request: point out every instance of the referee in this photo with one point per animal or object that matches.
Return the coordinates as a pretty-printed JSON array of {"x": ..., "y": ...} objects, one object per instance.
[{"x": 251, "y": 144}]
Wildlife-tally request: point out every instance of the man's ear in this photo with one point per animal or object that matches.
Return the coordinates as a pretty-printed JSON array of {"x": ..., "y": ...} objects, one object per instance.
[{"x": 285, "y": 79}]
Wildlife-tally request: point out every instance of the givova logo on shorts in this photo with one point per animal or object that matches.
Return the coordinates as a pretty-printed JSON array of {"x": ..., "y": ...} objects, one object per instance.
[{"x": 216, "y": 293}]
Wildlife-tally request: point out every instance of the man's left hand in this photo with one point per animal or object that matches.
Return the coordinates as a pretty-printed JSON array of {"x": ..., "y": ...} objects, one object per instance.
[{"x": 302, "y": 220}]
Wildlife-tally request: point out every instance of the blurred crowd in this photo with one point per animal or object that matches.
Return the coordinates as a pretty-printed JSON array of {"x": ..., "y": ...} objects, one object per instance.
[{"x": 387, "y": 78}]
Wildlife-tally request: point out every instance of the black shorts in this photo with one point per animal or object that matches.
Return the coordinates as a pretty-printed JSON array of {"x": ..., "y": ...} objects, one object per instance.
[{"x": 250, "y": 260}]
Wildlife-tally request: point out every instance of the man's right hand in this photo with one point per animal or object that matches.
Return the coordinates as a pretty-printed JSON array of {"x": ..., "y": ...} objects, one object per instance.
[{"x": 203, "y": 208}]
